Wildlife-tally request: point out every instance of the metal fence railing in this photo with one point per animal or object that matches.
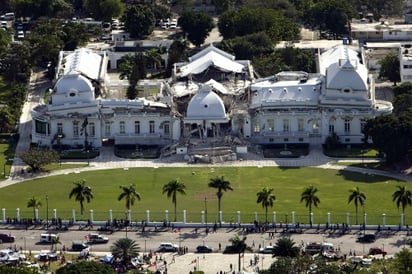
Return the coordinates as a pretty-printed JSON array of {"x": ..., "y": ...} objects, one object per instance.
[{"x": 188, "y": 217}]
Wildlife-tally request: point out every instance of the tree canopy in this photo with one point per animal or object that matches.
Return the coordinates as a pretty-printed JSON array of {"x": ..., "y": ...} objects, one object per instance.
[
  {"x": 390, "y": 68},
  {"x": 384, "y": 129},
  {"x": 37, "y": 158},
  {"x": 139, "y": 20},
  {"x": 39, "y": 8},
  {"x": 91, "y": 267},
  {"x": 246, "y": 21},
  {"x": 104, "y": 10},
  {"x": 331, "y": 16},
  {"x": 197, "y": 26}
]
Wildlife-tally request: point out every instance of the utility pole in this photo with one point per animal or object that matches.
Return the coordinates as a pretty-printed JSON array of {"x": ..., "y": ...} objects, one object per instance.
[{"x": 47, "y": 212}]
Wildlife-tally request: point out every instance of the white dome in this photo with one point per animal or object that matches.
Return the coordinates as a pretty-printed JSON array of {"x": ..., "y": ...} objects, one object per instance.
[
  {"x": 206, "y": 105},
  {"x": 73, "y": 82}
]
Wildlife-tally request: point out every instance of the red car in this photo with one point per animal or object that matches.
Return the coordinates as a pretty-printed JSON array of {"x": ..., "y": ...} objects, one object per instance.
[{"x": 377, "y": 251}]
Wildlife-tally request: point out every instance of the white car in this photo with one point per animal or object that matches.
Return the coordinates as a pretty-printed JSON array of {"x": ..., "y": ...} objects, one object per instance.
[
  {"x": 167, "y": 247},
  {"x": 94, "y": 238},
  {"x": 267, "y": 249},
  {"x": 20, "y": 34},
  {"x": 173, "y": 24}
]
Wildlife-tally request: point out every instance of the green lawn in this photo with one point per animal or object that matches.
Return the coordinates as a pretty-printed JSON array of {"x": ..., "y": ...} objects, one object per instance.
[
  {"x": 288, "y": 184},
  {"x": 6, "y": 152}
]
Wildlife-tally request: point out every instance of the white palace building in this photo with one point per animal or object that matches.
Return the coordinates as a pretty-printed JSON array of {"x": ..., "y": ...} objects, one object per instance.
[{"x": 211, "y": 97}]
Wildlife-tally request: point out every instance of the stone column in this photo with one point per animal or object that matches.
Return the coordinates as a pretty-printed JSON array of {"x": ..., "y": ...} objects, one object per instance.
[
  {"x": 184, "y": 216},
  {"x": 203, "y": 216},
  {"x": 3, "y": 211},
  {"x": 18, "y": 214},
  {"x": 55, "y": 214},
  {"x": 328, "y": 218},
  {"x": 129, "y": 215},
  {"x": 167, "y": 216},
  {"x": 74, "y": 215},
  {"x": 111, "y": 216},
  {"x": 383, "y": 219},
  {"x": 293, "y": 217},
  {"x": 220, "y": 216},
  {"x": 256, "y": 217},
  {"x": 91, "y": 216},
  {"x": 36, "y": 214},
  {"x": 148, "y": 216},
  {"x": 238, "y": 217},
  {"x": 348, "y": 219},
  {"x": 274, "y": 217}
]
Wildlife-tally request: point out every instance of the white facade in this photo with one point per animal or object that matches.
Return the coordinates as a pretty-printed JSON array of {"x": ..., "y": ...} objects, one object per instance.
[
  {"x": 405, "y": 62},
  {"x": 74, "y": 116},
  {"x": 211, "y": 96},
  {"x": 296, "y": 107}
]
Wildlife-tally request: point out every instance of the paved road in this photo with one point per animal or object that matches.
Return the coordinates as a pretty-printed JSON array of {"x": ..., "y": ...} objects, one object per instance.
[{"x": 187, "y": 237}]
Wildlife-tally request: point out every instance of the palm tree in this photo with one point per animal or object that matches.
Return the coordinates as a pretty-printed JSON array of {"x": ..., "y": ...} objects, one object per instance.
[
  {"x": 358, "y": 198},
  {"x": 34, "y": 203},
  {"x": 309, "y": 197},
  {"x": 154, "y": 56},
  {"x": 125, "y": 249},
  {"x": 82, "y": 193},
  {"x": 221, "y": 185},
  {"x": 402, "y": 197},
  {"x": 130, "y": 194},
  {"x": 266, "y": 198},
  {"x": 285, "y": 247},
  {"x": 239, "y": 245},
  {"x": 172, "y": 188}
]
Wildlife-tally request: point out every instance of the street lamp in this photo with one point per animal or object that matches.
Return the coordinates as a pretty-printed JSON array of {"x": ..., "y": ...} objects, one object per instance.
[{"x": 47, "y": 212}]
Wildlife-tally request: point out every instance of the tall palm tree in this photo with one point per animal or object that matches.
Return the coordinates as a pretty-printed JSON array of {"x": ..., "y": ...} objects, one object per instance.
[
  {"x": 172, "y": 188},
  {"x": 239, "y": 245},
  {"x": 124, "y": 250},
  {"x": 402, "y": 197},
  {"x": 309, "y": 197},
  {"x": 358, "y": 198},
  {"x": 130, "y": 194},
  {"x": 34, "y": 203},
  {"x": 266, "y": 198},
  {"x": 81, "y": 193},
  {"x": 222, "y": 186}
]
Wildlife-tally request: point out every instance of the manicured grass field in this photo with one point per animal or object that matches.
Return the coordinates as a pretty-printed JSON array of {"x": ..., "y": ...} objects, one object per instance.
[{"x": 288, "y": 184}]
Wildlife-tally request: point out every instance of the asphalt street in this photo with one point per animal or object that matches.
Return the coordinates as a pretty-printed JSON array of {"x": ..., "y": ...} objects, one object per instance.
[{"x": 150, "y": 239}]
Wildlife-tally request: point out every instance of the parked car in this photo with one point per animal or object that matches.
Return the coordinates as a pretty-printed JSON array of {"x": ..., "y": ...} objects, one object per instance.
[
  {"x": 94, "y": 238},
  {"x": 377, "y": 251},
  {"x": 79, "y": 246},
  {"x": 203, "y": 249},
  {"x": 367, "y": 238},
  {"x": 167, "y": 247},
  {"x": 20, "y": 34},
  {"x": 6, "y": 238},
  {"x": 267, "y": 249},
  {"x": 230, "y": 249}
]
